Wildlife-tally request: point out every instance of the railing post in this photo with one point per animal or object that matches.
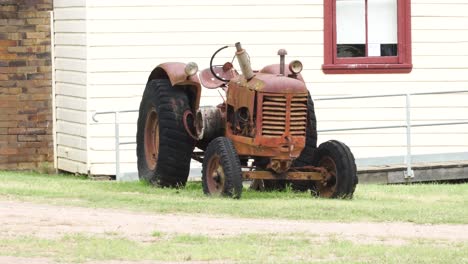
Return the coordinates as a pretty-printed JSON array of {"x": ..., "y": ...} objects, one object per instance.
[
  {"x": 409, "y": 173},
  {"x": 117, "y": 145}
]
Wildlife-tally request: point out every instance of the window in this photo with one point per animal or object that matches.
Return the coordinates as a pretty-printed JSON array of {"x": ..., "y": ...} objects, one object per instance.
[{"x": 367, "y": 36}]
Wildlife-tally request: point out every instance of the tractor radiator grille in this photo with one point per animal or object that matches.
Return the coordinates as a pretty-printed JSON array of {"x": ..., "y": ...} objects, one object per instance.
[{"x": 275, "y": 113}]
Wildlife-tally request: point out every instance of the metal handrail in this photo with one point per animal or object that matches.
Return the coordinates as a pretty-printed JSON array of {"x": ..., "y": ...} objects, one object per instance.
[
  {"x": 117, "y": 136},
  {"x": 409, "y": 173}
]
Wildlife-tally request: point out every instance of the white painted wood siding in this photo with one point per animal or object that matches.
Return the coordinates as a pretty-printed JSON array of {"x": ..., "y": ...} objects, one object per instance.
[
  {"x": 127, "y": 39},
  {"x": 71, "y": 90},
  {"x": 440, "y": 53}
]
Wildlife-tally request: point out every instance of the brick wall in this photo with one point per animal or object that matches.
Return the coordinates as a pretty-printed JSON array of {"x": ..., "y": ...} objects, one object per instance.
[{"x": 25, "y": 85}]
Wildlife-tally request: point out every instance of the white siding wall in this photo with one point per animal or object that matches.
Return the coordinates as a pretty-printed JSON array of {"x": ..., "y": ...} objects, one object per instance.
[
  {"x": 127, "y": 39},
  {"x": 70, "y": 62},
  {"x": 440, "y": 53}
]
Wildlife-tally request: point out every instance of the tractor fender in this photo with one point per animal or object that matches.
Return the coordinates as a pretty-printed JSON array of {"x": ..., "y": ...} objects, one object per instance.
[{"x": 175, "y": 72}]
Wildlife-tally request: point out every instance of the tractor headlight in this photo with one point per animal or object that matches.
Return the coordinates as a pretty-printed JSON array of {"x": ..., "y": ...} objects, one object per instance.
[
  {"x": 191, "y": 68},
  {"x": 295, "y": 66}
]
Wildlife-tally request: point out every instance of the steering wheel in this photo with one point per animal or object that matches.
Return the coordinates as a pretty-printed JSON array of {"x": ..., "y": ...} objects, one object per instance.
[{"x": 212, "y": 66}]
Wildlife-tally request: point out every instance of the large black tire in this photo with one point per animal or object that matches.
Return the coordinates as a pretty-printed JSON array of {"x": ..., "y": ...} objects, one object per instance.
[
  {"x": 221, "y": 173},
  {"x": 164, "y": 147},
  {"x": 307, "y": 157},
  {"x": 338, "y": 159}
]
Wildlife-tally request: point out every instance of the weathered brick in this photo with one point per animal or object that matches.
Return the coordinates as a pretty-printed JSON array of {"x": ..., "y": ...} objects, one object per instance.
[
  {"x": 36, "y": 35},
  {"x": 17, "y": 63},
  {"x": 16, "y": 22},
  {"x": 14, "y": 90},
  {"x": 26, "y": 124},
  {"x": 7, "y": 70},
  {"x": 27, "y": 28},
  {"x": 8, "y": 151},
  {"x": 27, "y": 69},
  {"x": 8, "y": 124},
  {"x": 15, "y": 36},
  {"x": 27, "y": 138},
  {"x": 4, "y": 77},
  {"x": 45, "y": 55},
  {"x": 43, "y": 7},
  {"x": 37, "y": 21},
  {"x": 41, "y": 90},
  {"x": 27, "y": 131},
  {"x": 9, "y": 29},
  {"x": 38, "y": 144},
  {"x": 43, "y": 28},
  {"x": 10, "y": 166},
  {"x": 7, "y": 104},
  {"x": 7, "y": 15},
  {"x": 8, "y": 8},
  {"x": 45, "y": 124},
  {"x": 7, "y": 83},
  {"x": 38, "y": 62},
  {"x": 8, "y": 97},
  {"x": 38, "y": 76},
  {"x": 29, "y": 49},
  {"x": 46, "y": 137},
  {"x": 33, "y": 14},
  {"x": 14, "y": 76},
  {"x": 44, "y": 69},
  {"x": 8, "y": 43},
  {"x": 7, "y": 138},
  {"x": 27, "y": 150},
  {"x": 8, "y": 56},
  {"x": 8, "y": 2},
  {"x": 34, "y": 83},
  {"x": 25, "y": 84},
  {"x": 45, "y": 151},
  {"x": 26, "y": 165}
]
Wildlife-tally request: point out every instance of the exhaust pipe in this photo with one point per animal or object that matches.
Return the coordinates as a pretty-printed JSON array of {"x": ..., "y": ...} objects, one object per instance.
[{"x": 244, "y": 62}]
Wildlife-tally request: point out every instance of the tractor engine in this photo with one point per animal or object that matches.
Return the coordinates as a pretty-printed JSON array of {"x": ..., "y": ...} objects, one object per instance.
[{"x": 266, "y": 115}]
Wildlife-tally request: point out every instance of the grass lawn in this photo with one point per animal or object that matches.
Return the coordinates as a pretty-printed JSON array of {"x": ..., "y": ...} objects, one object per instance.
[
  {"x": 418, "y": 203},
  {"x": 293, "y": 248},
  {"x": 426, "y": 203}
]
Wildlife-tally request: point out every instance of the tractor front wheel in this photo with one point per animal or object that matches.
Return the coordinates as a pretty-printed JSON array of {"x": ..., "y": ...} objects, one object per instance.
[
  {"x": 338, "y": 160},
  {"x": 221, "y": 172}
]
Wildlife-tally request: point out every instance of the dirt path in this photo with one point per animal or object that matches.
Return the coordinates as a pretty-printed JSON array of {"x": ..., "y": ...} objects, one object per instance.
[{"x": 50, "y": 221}]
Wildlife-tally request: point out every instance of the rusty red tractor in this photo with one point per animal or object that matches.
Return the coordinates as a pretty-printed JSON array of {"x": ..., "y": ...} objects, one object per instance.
[{"x": 264, "y": 131}]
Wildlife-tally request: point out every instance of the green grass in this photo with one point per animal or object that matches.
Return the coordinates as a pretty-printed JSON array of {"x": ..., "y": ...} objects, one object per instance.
[
  {"x": 425, "y": 203},
  {"x": 265, "y": 248}
]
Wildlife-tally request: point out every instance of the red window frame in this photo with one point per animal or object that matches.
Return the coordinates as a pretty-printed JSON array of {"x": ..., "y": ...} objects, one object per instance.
[{"x": 394, "y": 64}]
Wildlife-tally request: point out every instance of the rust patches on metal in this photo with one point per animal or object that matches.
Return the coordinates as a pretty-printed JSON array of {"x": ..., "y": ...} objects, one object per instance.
[
  {"x": 175, "y": 71},
  {"x": 293, "y": 175},
  {"x": 280, "y": 84},
  {"x": 276, "y": 70},
  {"x": 189, "y": 119},
  {"x": 280, "y": 166}
]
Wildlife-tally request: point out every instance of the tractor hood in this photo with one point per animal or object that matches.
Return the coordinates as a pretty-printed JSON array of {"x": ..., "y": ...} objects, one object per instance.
[{"x": 272, "y": 83}]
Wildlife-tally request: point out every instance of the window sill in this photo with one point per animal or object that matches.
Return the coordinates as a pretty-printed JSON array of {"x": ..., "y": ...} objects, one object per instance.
[{"x": 366, "y": 68}]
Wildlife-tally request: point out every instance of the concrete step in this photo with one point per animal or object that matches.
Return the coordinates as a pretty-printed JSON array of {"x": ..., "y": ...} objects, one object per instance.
[{"x": 423, "y": 172}]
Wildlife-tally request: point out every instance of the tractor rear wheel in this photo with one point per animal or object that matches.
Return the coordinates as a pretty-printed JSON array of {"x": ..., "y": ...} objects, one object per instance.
[
  {"x": 221, "y": 172},
  {"x": 164, "y": 147},
  {"x": 338, "y": 160}
]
